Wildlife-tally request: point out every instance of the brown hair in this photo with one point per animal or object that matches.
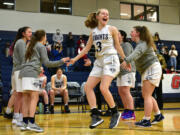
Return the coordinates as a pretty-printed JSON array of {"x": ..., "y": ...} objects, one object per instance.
[
  {"x": 146, "y": 36},
  {"x": 59, "y": 69},
  {"x": 91, "y": 21},
  {"x": 38, "y": 35}
]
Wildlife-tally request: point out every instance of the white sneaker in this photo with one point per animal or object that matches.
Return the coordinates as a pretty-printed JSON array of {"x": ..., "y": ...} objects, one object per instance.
[
  {"x": 34, "y": 127},
  {"x": 14, "y": 121},
  {"x": 23, "y": 126},
  {"x": 19, "y": 123}
]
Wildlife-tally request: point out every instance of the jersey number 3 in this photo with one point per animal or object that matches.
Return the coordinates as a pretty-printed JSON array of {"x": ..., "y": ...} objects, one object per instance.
[{"x": 99, "y": 47}]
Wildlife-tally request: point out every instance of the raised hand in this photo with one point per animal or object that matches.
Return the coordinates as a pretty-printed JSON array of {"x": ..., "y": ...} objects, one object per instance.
[{"x": 71, "y": 62}]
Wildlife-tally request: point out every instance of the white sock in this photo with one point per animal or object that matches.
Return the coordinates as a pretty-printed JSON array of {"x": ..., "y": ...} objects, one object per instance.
[
  {"x": 20, "y": 117},
  {"x": 16, "y": 116},
  {"x": 146, "y": 118},
  {"x": 157, "y": 113},
  {"x": 8, "y": 110}
]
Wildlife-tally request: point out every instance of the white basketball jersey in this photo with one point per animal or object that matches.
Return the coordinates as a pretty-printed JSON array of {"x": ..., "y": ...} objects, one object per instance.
[
  {"x": 103, "y": 41},
  {"x": 59, "y": 82}
]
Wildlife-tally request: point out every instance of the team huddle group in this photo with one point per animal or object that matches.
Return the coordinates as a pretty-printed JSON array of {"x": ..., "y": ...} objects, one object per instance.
[{"x": 115, "y": 57}]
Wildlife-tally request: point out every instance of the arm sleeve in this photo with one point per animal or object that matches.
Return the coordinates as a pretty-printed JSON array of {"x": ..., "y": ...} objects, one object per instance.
[
  {"x": 127, "y": 49},
  {"x": 137, "y": 53},
  {"x": 45, "y": 59}
]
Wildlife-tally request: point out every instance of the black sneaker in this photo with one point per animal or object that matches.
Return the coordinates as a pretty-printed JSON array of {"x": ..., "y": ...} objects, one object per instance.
[
  {"x": 95, "y": 121},
  {"x": 52, "y": 109},
  {"x": 115, "y": 120},
  {"x": 143, "y": 123},
  {"x": 46, "y": 110},
  {"x": 157, "y": 119},
  {"x": 8, "y": 116},
  {"x": 108, "y": 113},
  {"x": 66, "y": 107}
]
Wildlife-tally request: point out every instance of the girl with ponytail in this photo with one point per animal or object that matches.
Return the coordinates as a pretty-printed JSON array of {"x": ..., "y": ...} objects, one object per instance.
[
  {"x": 35, "y": 56},
  {"x": 149, "y": 67},
  {"x": 106, "y": 66}
]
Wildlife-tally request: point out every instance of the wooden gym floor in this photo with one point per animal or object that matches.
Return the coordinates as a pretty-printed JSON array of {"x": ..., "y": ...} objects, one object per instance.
[{"x": 76, "y": 123}]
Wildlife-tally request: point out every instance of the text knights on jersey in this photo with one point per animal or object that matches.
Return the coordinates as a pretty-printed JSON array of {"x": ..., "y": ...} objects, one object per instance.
[{"x": 100, "y": 37}]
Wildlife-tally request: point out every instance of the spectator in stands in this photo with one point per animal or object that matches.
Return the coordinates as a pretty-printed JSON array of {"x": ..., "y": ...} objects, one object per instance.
[
  {"x": 70, "y": 45},
  {"x": 173, "y": 53},
  {"x": 58, "y": 38},
  {"x": 84, "y": 63},
  {"x": 81, "y": 42},
  {"x": 165, "y": 52},
  {"x": 7, "y": 49},
  {"x": 56, "y": 54},
  {"x": 59, "y": 87},
  {"x": 43, "y": 92},
  {"x": 157, "y": 40}
]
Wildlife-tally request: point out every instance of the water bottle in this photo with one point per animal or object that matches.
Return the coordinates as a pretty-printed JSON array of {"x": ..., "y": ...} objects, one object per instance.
[
  {"x": 66, "y": 69},
  {"x": 40, "y": 107}
]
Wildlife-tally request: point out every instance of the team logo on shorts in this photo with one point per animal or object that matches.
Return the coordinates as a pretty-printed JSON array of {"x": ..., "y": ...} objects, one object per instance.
[{"x": 112, "y": 70}]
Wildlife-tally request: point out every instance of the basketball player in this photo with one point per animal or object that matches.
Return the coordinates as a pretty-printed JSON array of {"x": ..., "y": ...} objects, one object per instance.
[
  {"x": 35, "y": 56},
  {"x": 106, "y": 66},
  {"x": 23, "y": 35},
  {"x": 59, "y": 86},
  {"x": 43, "y": 92},
  {"x": 149, "y": 67},
  {"x": 126, "y": 80}
]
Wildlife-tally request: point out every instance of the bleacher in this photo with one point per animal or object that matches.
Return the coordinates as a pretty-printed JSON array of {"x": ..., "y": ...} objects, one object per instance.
[{"x": 80, "y": 77}]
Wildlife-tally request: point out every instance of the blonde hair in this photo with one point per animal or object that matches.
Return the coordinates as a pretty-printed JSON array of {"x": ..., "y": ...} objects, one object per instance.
[
  {"x": 145, "y": 35},
  {"x": 91, "y": 21},
  {"x": 173, "y": 47}
]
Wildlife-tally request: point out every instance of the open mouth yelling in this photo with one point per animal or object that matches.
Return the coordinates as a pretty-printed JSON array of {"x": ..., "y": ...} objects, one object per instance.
[{"x": 104, "y": 19}]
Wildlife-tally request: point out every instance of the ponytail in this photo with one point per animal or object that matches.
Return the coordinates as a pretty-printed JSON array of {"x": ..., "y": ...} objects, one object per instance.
[
  {"x": 38, "y": 36},
  {"x": 145, "y": 35},
  {"x": 91, "y": 21}
]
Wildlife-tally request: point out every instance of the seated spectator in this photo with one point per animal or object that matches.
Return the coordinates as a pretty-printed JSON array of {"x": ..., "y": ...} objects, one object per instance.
[
  {"x": 42, "y": 92},
  {"x": 173, "y": 53},
  {"x": 81, "y": 41},
  {"x": 59, "y": 87},
  {"x": 70, "y": 45}
]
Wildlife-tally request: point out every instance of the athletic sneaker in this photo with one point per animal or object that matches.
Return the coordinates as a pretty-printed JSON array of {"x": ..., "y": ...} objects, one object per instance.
[
  {"x": 95, "y": 121},
  {"x": 8, "y": 116},
  {"x": 19, "y": 123},
  {"x": 108, "y": 113},
  {"x": 34, "y": 127},
  {"x": 66, "y": 109},
  {"x": 143, "y": 123},
  {"x": 115, "y": 120},
  {"x": 46, "y": 110},
  {"x": 23, "y": 126},
  {"x": 128, "y": 115},
  {"x": 157, "y": 119},
  {"x": 52, "y": 109},
  {"x": 14, "y": 121}
]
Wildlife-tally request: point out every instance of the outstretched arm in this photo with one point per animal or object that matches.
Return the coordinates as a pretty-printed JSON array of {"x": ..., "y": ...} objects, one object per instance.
[{"x": 83, "y": 52}]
